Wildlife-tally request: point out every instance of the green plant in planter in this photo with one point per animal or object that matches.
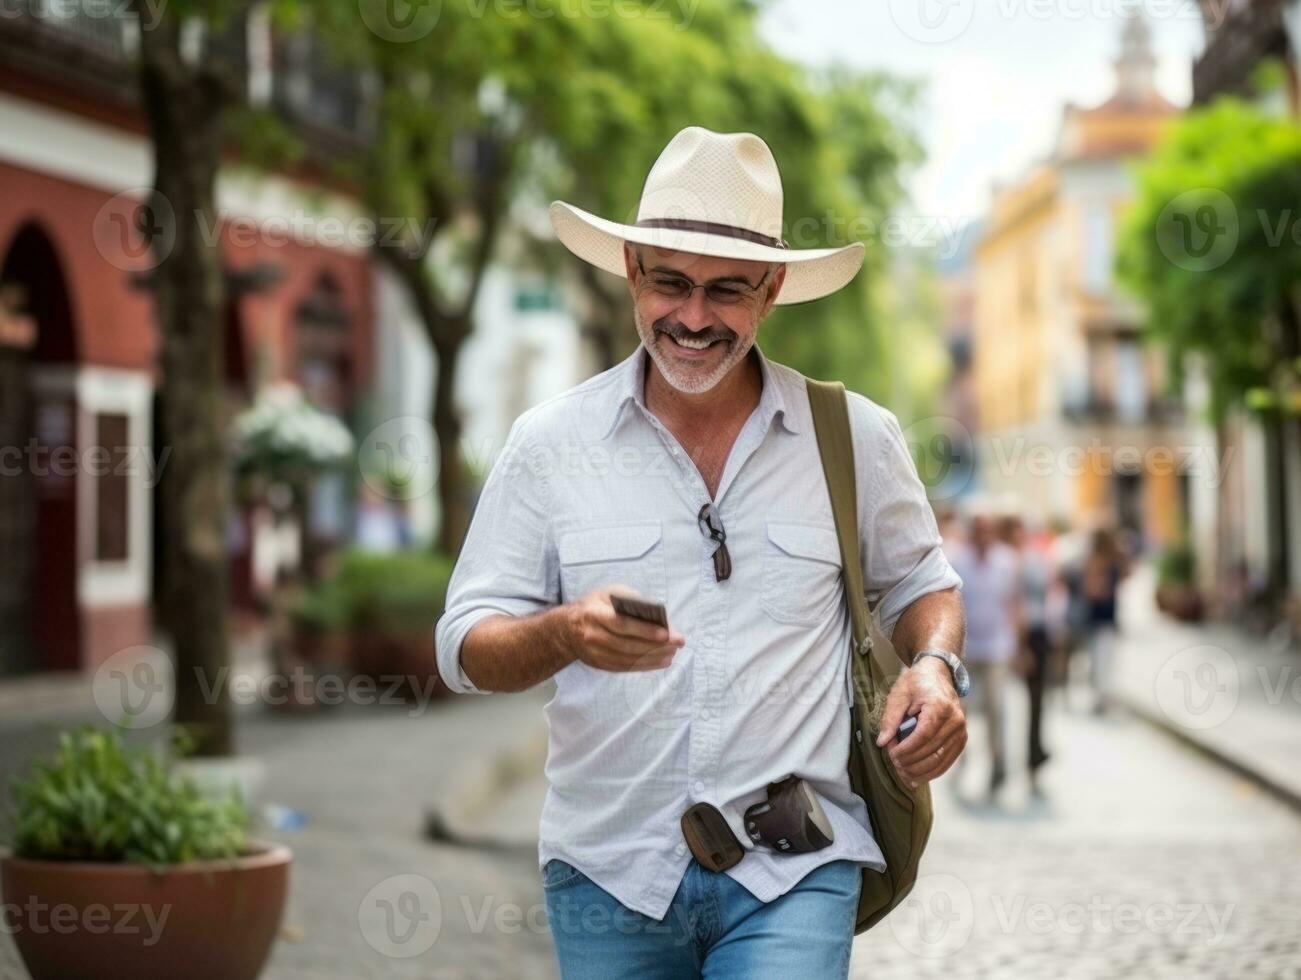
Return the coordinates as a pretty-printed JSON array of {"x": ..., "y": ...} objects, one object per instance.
[
  {"x": 397, "y": 593},
  {"x": 97, "y": 800},
  {"x": 1177, "y": 565},
  {"x": 320, "y": 608}
]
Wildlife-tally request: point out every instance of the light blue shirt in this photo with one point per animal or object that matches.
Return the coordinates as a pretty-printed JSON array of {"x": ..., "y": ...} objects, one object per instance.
[{"x": 591, "y": 489}]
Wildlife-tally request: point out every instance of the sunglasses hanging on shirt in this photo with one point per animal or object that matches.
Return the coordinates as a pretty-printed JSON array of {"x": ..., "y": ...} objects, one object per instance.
[{"x": 711, "y": 526}]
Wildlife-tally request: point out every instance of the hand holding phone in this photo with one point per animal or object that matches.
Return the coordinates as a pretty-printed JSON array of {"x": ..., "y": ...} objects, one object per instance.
[
  {"x": 617, "y": 630},
  {"x": 650, "y": 612}
]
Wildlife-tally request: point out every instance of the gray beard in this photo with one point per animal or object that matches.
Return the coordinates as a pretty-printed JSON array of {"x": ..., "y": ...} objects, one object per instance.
[{"x": 687, "y": 381}]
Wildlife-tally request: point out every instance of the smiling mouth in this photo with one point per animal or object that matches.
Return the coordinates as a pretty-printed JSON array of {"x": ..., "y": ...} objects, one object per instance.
[{"x": 692, "y": 344}]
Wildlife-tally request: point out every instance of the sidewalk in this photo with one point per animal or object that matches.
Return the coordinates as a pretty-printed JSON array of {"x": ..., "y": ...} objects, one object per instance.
[
  {"x": 1214, "y": 687},
  {"x": 370, "y": 894},
  {"x": 57, "y": 696}
]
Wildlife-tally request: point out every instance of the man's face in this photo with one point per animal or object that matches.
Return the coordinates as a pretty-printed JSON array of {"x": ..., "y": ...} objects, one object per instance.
[{"x": 695, "y": 340}]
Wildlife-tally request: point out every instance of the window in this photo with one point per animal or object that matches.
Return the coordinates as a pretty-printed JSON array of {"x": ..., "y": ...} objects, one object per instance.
[
  {"x": 111, "y": 530},
  {"x": 1131, "y": 383},
  {"x": 1097, "y": 248}
]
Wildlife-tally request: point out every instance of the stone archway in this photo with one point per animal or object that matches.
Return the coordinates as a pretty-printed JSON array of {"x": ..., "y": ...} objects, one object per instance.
[{"x": 39, "y": 620}]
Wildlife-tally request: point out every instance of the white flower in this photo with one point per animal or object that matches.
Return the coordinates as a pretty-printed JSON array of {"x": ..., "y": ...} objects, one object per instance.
[{"x": 282, "y": 430}]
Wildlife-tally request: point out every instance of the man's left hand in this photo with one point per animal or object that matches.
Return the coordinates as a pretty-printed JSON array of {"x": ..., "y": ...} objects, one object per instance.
[{"x": 925, "y": 690}]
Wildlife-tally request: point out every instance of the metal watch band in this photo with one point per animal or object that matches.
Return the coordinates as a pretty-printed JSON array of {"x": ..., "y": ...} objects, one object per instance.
[{"x": 961, "y": 682}]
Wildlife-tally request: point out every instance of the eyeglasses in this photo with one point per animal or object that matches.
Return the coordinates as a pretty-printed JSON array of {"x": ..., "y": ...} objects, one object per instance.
[
  {"x": 680, "y": 288},
  {"x": 711, "y": 526}
]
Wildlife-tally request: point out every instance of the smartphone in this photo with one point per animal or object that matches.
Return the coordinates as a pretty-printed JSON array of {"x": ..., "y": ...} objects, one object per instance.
[{"x": 650, "y": 612}]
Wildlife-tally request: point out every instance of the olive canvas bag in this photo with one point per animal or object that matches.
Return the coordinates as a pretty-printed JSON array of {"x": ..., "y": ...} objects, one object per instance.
[{"x": 901, "y": 817}]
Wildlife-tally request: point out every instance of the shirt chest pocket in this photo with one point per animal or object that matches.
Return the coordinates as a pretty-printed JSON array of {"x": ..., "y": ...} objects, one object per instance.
[
  {"x": 801, "y": 572},
  {"x": 614, "y": 554}
]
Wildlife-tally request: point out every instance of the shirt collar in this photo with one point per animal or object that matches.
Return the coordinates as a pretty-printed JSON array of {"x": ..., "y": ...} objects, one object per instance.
[{"x": 630, "y": 388}]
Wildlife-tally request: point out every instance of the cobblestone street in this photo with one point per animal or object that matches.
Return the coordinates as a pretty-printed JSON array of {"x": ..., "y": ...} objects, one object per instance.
[{"x": 1144, "y": 859}]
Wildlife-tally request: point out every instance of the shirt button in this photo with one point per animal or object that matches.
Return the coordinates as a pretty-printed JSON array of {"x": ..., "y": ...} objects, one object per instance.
[
  {"x": 698, "y": 787},
  {"x": 705, "y": 714}
]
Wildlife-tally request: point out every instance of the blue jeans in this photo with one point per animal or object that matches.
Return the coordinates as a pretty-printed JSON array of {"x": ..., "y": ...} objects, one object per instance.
[{"x": 714, "y": 928}]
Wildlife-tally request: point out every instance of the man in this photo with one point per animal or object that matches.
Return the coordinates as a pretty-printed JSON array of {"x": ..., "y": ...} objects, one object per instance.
[
  {"x": 608, "y": 487},
  {"x": 991, "y": 593}
]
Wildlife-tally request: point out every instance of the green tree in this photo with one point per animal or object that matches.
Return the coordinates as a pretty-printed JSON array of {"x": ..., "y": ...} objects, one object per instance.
[
  {"x": 838, "y": 137},
  {"x": 466, "y": 116},
  {"x": 1212, "y": 249},
  {"x": 498, "y": 106}
]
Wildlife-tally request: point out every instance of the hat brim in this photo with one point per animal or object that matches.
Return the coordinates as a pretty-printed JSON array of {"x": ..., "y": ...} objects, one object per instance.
[{"x": 811, "y": 273}]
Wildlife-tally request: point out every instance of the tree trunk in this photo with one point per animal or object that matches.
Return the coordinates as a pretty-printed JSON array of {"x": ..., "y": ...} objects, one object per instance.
[
  {"x": 309, "y": 551},
  {"x": 447, "y": 333},
  {"x": 453, "y": 486},
  {"x": 184, "y": 107}
]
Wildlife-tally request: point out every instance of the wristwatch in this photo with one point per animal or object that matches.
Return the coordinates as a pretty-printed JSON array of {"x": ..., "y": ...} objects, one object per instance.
[{"x": 961, "y": 682}]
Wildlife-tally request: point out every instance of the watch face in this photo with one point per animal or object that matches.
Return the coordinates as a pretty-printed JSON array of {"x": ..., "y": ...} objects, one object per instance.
[{"x": 961, "y": 680}]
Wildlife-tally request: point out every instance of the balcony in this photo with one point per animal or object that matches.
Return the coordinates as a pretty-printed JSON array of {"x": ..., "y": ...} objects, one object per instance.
[
  {"x": 81, "y": 53},
  {"x": 1102, "y": 409},
  {"x": 79, "y": 48},
  {"x": 329, "y": 108}
]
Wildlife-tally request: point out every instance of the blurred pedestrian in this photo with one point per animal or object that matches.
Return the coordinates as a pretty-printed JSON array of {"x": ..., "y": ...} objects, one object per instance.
[
  {"x": 1034, "y": 582},
  {"x": 952, "y": 533},
  {"x": 991, "y": 596},
  {"x": 380, "y": 527},
  {"x": 1100, "y": 576}
]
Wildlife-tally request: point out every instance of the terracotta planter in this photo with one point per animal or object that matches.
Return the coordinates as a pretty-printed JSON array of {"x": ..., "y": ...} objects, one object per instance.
[
  {"x": 307, "y": 655},
  {"x": 1183, "y": 602},
  {"x": 389, "y": 657},
  {"x": 205, "y": 920}
]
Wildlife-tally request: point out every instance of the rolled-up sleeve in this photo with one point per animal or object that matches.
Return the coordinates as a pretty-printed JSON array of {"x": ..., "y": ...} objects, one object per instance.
[
  {"x": 507, "y": 564},
  {"x": 901, "y": 549}
]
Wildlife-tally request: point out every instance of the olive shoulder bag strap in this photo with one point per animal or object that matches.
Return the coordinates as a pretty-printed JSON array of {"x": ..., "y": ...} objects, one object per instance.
[{"x": 901, "y": 817}]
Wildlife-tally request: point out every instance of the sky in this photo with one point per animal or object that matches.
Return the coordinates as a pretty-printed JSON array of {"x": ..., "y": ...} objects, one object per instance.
[{"x": 996, "y": 74}]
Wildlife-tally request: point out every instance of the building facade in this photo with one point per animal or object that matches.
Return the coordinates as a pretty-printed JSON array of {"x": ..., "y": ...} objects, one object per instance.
[
  {"x": 79, "y": 419},
  {"x": 1075, "y": 421}
]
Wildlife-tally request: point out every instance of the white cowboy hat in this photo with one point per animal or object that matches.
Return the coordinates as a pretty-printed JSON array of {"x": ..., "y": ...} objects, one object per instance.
[{"x": 716, "y": 194}]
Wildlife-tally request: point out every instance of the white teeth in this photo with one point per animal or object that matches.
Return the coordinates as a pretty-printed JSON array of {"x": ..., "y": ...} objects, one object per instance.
[{"x": 693, "y": 344}]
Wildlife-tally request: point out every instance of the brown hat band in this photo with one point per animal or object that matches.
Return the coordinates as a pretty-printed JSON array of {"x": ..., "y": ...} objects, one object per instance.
[{"x": 710, "y": 228}]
